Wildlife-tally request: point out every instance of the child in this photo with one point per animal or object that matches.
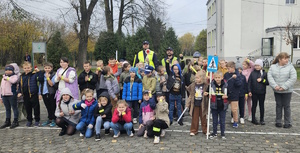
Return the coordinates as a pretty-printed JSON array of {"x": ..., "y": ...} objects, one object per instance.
[
  {"x": 87, "y": 78},
  {"x": 132, "y": 92},
  {"x": 100, "y": 86},
  {"x": 115, "y": 66},
  {"x": 242, "y": 95},
  {"x": 219, "y": 104},
  {"x": 176, "y": 86},
  {"x": 87, "y": 107},
  {"x": 257, "y": 90},
  {"x": 198, "y": 103},
  {"x": 163, "y": 77},
  {"x": 124, "y": 75},
  {"x": 28, "y": 88},
  {"x": 146, "y": 115},
  {"x": 233, "y": 79},
  {"x": 121, "y": 119},
  {"x": 149, "y": 81},
  {"x": 248, "y": 67},
  {"x": 222, "y": 66},
  {"x": 103, "y": 114},
  {"x": 47, "y": 92},
  {"x": 161, "y": 120},
  {"x": 8, "y": 96},
  {"x": 112, "y": 86},
  {"x": 67, "y": 118}
]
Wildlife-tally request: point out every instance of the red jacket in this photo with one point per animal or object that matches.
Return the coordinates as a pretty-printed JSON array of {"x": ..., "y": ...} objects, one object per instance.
[{"x": 126, "y": 118}]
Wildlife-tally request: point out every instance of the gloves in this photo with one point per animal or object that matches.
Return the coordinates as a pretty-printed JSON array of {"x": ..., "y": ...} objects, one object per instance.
[
  {"x": 90, "y": 126},
  {"x": 83, "y": 106}
]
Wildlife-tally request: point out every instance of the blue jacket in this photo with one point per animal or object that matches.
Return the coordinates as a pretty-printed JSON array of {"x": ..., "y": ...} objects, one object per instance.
[
  {"x": 87, "y": 114},
  {"x": 233, "y": 89},
  {"x": 134, "y": 92},
  {"x": 146, "y": 110},
  {"x": 31, "y": 84}
]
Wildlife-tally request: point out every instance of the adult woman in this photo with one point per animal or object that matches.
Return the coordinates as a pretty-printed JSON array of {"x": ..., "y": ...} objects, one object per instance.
[
  {"x": 67, "y": 118},
  {"x": 282, "y": 76},
  {"x": 67, "y": 78}
]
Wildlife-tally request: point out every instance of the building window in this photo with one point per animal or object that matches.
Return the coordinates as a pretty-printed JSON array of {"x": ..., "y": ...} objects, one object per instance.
[
  {"x": 289, "y": 1},
  {"x": 296, "y": 43}
]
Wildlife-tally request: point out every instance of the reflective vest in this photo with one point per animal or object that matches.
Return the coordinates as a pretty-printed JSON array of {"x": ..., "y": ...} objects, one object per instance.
[
  {"x": 163, "y": 61},
  {"x": 150, "y": 57}
]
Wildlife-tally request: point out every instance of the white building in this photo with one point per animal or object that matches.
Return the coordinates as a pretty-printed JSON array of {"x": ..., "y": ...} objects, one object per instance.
[{"x": 251, "y": 27}]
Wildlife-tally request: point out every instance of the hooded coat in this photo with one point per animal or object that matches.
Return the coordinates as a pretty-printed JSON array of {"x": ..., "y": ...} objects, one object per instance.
[
  {"x": 172, "y": 77},
  {"x": 104, "y": 110}
]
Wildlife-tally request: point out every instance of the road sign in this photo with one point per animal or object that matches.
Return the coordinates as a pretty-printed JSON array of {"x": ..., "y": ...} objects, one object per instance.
[
  {"x": 212, "y": 64},
  {"x": 38, "y": 47}
]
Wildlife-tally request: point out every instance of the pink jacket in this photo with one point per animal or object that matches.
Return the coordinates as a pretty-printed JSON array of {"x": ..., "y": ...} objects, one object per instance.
[
  {"x": 6, "y": 85},
  {"x": 248, "y": 71}
]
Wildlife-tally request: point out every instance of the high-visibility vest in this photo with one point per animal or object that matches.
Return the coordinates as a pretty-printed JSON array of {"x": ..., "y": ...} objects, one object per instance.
[
  {"x": 150, "y": 57},
  {"x": 163, "y": 61}
]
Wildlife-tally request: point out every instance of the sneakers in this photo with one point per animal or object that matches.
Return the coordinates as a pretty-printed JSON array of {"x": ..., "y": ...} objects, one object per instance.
[
  {"x": 163, "y": 133},
  {"x": 192, "y": 134},
  {"x": 52, "y": 124},
  {"x": 37, "y": 124},
  {"x": 28, "y": 124},
  {"x": 14, "y": 124},
  {"x": 107, "y": 131},
  {"x": 131, "y": 135},
  {"x": 212, "y": 136},
  {"x": 242, "y": 120},
  {"x": 134, "y": 120},
  {"x": 115, "y": 136},
  {"x": 97, "y": 137},
  {"x": 62, "y": 132},
  {"x": 46, "y": 123},
  {"x": 223, "y": 137},
  {"x": 232, "y": 121},
  {"x": 145, "y": 134},
  {"x": 287, "y": 126},
  {"x": 81, "y": 135},
  {"x": 6, "y": 124},
  {"x": 235, "y": 125},
  {"x": 279, "y": 125},
  {"x": 262, "y": 123},
  {"x": 156, "y": 140},
  {"x": 250, "y": 118}
]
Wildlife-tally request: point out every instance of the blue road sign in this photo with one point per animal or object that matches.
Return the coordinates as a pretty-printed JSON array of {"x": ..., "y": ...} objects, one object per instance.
[{"x": 212, "y": 64}]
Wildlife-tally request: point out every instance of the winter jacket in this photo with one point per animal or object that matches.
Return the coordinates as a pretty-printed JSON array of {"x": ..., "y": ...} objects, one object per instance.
[
  {"x": 112, "y": 85},
  {"x": 171, "y": 80},
  {"x": 214, "y": 96},
  {"x": 149, "y": 83},
  {"x": 126, "y": 118},
  {"x": 66, "y": 107},
  {"x": 123, "y": 77},
  {"x": 282, "y": 76},
  {"x": 104, "y": 110},
  {"x": 31, "y": 83},
  {"x": 233, "y": 89},
  {"x": 190, "y": 102},
  {"x": 91, "y": 83},
  {"x": 244, "y": 86},
  {"x": 51, "y": 89},
  {"x": 134, "y": 92},
  {"x": 146, "y": 111},
  {"x": 8, "y": 87},
  {"x": 258, "y": 87},
  {"x": 247, "y": 72},
  {"x": 87, "y": 114},
  {"x": 162, "y": 112}
]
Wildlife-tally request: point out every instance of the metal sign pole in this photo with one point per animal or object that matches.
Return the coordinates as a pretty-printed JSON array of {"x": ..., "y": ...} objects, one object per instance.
[{"x": 210, "y": 78}]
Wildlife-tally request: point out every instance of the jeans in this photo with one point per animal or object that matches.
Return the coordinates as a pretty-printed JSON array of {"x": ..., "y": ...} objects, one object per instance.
[
  {"x": 11, "y": 102},
  {"x": 283, "y": 101},
  {"x": 174, "y": 98},
  {"x": 32, "y": 103},
  {"x": 99, "y": 123},
  {"x": 221, "y": 114},
  {"x": 242, "y": 106},
  {"x": 261, "y": 99},
  {"x": 117, "y": 127},
  {"x": 82, "y": 127},
  {"x": 135, "y": 106}
]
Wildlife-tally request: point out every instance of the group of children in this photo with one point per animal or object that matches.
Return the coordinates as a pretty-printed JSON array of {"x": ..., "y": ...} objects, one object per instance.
[{"x": 117, "y": 96}]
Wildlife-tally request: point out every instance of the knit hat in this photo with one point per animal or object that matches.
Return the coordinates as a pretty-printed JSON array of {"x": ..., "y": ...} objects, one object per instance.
[
  {"x": 159, "y": 93},
  {"x": 132, "y": 69},
  {"x": 9, "y": 68},
  {"x": 259, "y": 62}
]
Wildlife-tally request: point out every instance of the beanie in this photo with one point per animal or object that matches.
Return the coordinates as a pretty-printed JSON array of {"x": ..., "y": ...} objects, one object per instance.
[{"x": 259, "y": 62}]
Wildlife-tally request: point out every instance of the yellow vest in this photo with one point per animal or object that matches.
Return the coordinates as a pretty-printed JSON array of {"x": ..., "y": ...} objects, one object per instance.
[
  {"x": 164, "y": 63},
  {"x": 150, "y": 57}
]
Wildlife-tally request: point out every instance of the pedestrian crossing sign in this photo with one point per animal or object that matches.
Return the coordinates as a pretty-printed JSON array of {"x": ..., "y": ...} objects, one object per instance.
[{"x": 212, "y": 64}]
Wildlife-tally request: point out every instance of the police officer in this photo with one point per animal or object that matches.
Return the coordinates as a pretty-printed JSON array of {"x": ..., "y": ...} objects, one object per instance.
[
  {"x": 146, "y": 56},
  {"x": 170, "y": 59}
]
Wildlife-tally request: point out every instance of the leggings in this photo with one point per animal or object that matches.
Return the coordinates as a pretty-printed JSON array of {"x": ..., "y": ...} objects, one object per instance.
[{"x": 65, "y": 125}]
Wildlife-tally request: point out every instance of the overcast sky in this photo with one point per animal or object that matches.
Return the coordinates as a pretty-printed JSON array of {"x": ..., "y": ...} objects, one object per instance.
[{"x": 183, "y": 15}]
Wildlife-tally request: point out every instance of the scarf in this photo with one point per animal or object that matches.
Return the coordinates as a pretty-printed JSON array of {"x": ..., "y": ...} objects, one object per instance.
[{"x": 89, "y": 103}]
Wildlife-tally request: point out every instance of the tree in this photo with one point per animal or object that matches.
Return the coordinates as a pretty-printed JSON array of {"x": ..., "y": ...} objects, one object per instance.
[
  {"x": 169, "y": 40},
  {"x": 106, "y": 46},
  {"x": 291, "y": 31},
  {"x": 187, "y": 43},
  {"x": 200, "y": 43},
  {"x": 56, "y": 49}
]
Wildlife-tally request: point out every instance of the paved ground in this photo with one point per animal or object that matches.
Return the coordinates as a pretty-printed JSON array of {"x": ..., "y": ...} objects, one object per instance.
[{"x": 247, "y": 138}]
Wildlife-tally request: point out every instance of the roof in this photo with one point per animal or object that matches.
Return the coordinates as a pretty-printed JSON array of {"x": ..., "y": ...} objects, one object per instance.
[{"x": 280, "y": 28}]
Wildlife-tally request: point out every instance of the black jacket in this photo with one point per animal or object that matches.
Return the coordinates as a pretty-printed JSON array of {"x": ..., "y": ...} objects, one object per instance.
[
  {"x": 244, "y": 86},
  {"x": 257, "y": 87},
  {"x": 171, "y": 80},
  {"x": 99, "y": 111},
  {"x": 87, "y": 84},
  {"x": 234, "y": 85}
]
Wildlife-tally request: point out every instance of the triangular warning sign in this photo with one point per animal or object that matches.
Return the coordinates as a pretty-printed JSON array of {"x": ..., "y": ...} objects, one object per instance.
[{"x": 212, "y": 64}]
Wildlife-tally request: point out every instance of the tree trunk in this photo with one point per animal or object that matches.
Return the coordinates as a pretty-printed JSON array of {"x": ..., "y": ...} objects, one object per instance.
[
  {"x": 121, "y": 17},
  {"x": 292, "y": 52},
  {"x": 109, "y": 15}
]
